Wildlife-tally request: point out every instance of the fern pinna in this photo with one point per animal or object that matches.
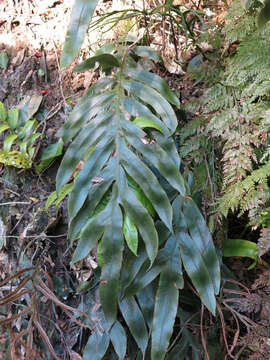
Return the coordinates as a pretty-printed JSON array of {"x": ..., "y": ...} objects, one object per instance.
[{"x": 131, "y": 201}]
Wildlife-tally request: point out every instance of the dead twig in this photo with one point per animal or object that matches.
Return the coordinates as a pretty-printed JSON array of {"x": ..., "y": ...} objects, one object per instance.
[
  {"x": 202, "y": 334},
  {"x": 60, "y": 77},
  {"x": 15, "y": 203}
]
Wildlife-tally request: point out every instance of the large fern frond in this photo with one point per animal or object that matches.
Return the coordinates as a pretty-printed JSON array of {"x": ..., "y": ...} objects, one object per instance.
[
  {"x": 131, "y": 202},
  {"x": 122, "y": 132}
]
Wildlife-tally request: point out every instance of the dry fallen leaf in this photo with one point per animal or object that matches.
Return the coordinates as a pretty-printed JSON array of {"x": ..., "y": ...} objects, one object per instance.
[
  {"x": 173, "y": 67},
  {"x": 18, "y": 59},
  {"x": 74, "y": 356}
]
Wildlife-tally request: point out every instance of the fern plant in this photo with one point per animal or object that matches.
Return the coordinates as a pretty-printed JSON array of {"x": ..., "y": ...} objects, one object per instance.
[
  {"x": 131, "y": 201},
  {"x": 237, "y": 110}
]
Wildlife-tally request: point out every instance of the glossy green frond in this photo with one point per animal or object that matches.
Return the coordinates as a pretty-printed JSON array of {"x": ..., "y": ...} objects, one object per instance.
[{"x": 120, "y": 206}]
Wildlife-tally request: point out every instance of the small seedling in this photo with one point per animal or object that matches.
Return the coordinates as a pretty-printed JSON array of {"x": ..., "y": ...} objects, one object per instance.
[
  {"x": 41, "y": 72},
  {"x": 4, "y": 59},
  {"x": 19, "y": 137},
  {"x": 49, "y": 154}
]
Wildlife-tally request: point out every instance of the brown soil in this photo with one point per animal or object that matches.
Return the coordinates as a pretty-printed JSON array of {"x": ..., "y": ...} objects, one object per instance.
[{"x": 32, "y": 32}]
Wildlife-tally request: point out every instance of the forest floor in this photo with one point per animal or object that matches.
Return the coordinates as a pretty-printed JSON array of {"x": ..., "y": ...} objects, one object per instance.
[{"x": 32, "y": 33}]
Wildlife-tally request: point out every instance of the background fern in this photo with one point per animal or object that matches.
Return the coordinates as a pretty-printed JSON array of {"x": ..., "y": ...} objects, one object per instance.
[{"x": 237, "y": 108}]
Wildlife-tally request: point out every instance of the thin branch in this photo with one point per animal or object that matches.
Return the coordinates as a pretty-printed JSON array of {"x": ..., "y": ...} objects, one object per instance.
[
  {"x": 202, "y": 335},
  {"x": 15, "y": 203}
]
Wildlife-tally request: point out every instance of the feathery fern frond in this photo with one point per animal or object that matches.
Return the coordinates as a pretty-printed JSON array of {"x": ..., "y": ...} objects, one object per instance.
[
  {"x": 238, "y": 108},
  {"x": 264, "y": 241},
  {"x": 239, "y": 23},
  {"x": 252, "y": 192}
]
